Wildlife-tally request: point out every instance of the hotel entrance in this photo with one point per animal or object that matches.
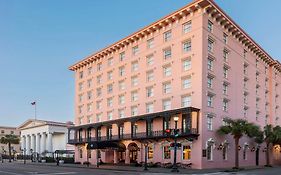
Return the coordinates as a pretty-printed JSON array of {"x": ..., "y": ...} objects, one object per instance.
[{"x": 133, "y": 152}]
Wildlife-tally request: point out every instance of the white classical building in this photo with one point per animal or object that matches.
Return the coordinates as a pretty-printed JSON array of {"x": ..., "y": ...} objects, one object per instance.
[{"x": 38, "y": 136}]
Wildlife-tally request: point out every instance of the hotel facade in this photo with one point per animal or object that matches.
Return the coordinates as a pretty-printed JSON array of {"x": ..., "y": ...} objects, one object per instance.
[{"x": 195, "y": 65}]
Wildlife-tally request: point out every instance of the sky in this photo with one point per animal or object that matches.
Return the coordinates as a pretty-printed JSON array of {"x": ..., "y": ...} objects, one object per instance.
[{"x": 39, "y": 40}]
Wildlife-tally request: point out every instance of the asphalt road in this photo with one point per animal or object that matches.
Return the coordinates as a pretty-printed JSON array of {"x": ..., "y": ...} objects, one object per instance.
[{"x": 29, "y": 169}]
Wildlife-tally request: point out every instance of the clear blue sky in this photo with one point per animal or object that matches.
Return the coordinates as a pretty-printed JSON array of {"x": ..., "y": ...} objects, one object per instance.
[{"x": 40, "y": 39}]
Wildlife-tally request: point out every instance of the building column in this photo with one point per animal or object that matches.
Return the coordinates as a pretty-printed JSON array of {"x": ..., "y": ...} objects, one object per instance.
[
  {"x": 127, "y": 157},
  {"x": 115, "y": 157},
  {"x": 32, "y": 145},
  {"x": 23, "y": 142},
  {"x": 37, "y": 137},
  {"x": 27, "y": 144},
  {"x": 43, "y": 143},
  {"x": 49, "y": 142}
]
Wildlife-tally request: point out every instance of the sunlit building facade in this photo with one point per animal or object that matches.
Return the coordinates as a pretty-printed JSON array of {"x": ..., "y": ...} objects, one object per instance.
[{"x": 195, "y": 65}]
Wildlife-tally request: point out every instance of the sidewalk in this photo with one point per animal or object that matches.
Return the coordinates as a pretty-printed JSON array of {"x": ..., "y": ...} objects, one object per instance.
[{"x": 140, "y": 169}]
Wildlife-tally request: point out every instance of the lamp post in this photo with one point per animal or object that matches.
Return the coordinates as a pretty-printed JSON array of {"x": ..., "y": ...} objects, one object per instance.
[
  {"x": 175, "y": 168},
  {"x": 31, "y": 157},
  {"x": 24, "y": 154},
  {"x": 145, "y": 156}
]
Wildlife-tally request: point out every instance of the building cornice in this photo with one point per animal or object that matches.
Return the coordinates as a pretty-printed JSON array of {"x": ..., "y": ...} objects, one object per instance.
[{"x": 209, "y": 7}]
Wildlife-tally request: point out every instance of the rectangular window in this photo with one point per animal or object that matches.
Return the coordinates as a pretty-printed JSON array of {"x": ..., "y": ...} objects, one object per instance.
[
  {"x": 167, "y": 104},
  {"x": 90, "y": 70},
  {"x": 167, "y": 87},
  {"x": 186, "y": 83},
  {"x": 99, "y": 66},
  {"x": 80, "y": 97},
  {"x": 149, "y": 76},
  {"x": 99, "y": 79},
  {"x": 110, "y": 61},
  {"x": 134, "y": 96},
  {"x": 110, "y": 115},
  {"x": 210, "y": 81},
  {"x": 110, "y": 75},
  {"x": 210, "y": 45},
  {"x": 210, "y": 26},
  {"x": 121, "y": 113},
  {"x": 121, "y": 71},
  {"x": 110, "y": 88},
  {"x": 186, "y": 101},
  {"x": 81, "y": 74},
  {"x": 80, "y": 109},
  {"x": 99, "y": 117},
  {"x": 210, "y": 99},
  {"x": 225, "y": 105},
  {"x": 187, "y": 46},
  {"x": 225, "y": 88},
  {"x": 149, "y": 60},
  {"x": 122, "y": 56},
  {"x": 98, "y": 104},
  {"x": 167, "y": 71},
  {"x": 225, "y": 55},
  {"x": 135, "y": 50},
  {"x": 166, "y": 152},
  {"x": 89, "y": 107},
  {"x": 225, "y": 72},
  {"x": 186, "y": 27},
  {"x": 186, "y": 64},
  {"x": 209, "y": 122},
  {"x": 121, "y": 85},
  {"x": 167, "y": 36},
  {"x": 80, "y": 86},
  {"x": 225, "y": 38},
  {"x": 150, "y": 152},
  {"x": 149, "y": 107},
  {"x": 89, "y": 82},
  {"x": 99, "y": 92},
  {"x": 89, "y": 95},
  {"x": 150, "y": 43},
  {"x": 122, "y": 99},
  {"x": 134, "y": 110},
  {"x": 210, "y": 64},
  {"x": 134, "y": 80},
  {"x": 149, "y": 92},
  {"x": 135, "y": 66},
  {"x": 110, "y": 102},
  {"x": 167, "y": 53},
  {"x": 186, "y": 152}
]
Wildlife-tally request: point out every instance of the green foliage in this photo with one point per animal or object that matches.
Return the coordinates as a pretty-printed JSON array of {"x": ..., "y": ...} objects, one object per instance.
[{"x": 12, "y": 139}]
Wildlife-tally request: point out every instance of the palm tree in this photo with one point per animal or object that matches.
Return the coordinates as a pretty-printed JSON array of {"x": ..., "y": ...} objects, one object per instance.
[
  {"x": 237, "y": 128},
  {"x": 10, "y": 139},
  {"x": 271, "y": 135},
  {"x": 259, "y": 139}
]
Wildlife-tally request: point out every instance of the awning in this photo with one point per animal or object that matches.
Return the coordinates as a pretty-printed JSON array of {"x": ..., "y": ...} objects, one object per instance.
[{"x": 106, "y": 145}]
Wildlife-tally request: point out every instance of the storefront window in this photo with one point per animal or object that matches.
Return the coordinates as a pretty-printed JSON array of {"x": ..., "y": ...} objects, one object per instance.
[{"x": 186, "y": 152}]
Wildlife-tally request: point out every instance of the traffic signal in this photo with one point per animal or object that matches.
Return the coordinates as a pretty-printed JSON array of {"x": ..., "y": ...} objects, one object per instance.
[
  {"x": 168, "y": 131},
  {"x": 176, "y": 132}
]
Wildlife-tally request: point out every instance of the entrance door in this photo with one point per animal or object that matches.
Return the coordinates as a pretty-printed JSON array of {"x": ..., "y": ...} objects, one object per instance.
[{"x": 133, "y": 156}]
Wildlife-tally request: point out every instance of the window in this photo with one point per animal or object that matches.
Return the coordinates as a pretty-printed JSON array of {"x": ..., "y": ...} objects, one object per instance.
[
  {"x": 224, "y": 152},
  {"x": 121, "y": 85},
  {"x": 110, "y": 61},
  {"x": 167, "y": 87},
  {"x": 187, "y": 46},
  {"x": 149, "y": 60},
  {"x": 122, "y": 99},
  {"x": 186, "y": 83},
  {"x": 186, "y": 101},
  {"x": 210, "y": 45},
  {"x": 80, "y": 122},
  {"x": 245, "y": 53},
  {"x": 167, "y": 53},
  {"x": 99, "y": 79},
  {"x": 210, "y": 99},
  {"x": 150, "y": 152},
  {"x": 89, "y": 107},
  {"x": 135, "y": 50},
  {"x": 149, "y": 91},
  {"x": 122, "y": 56},
  {"x": 121, "y": 113},
  {"x": 89, "y": 95},
  {"x": 81, "y": 74},
  {"x": 80, "y": 97},
  {"x": 186, "y": 27},
  {"x": 167, "y": 36},
  {"x": 186, "y": 152},
  {"x": 134, "y": 96},
  {"x": 210, "y": 26},
  {"x": 98, "y": 104},
  {"x": 225, "y": 72},
  {"x": 209, "y": 122},
  {"x": 149, "y": 76},
  {"x": 245, "y": 68},
  {"x": 89, "y": 82},
  {"x": 134, "y": 110},
  {"x": 90, "y": 70},
  {"x": 80, "y": 86},
  {"x": 166, "y": 152},
  {"x": 110, "y": 102},
  {"x": 167, "y": 71},
  {"x": 225, "y": 88},
  {"x": 99, "y": 66},
  {"x": 225, "y": 55},
  {"x": 110, "y": 88},
  {"x": 110, "y": 115},
  {"x": 209, "y": 151},
  {"x": 245, "y": 152},
  {"x": 167, "y": 104},
  {"x": 122, "y": 71},
  {"x": 225, "y": 38},
  {"x": 186, "y": 64},
  {"x": 149, "y": 107},
  {"x": 225, "y": 105},
  {"x": 134, "y": 80},
  {"x": 150, "y": 43},
  {"x": 99, "y": 117},
  {"x": 80, "y": 109},
  {"x": 110, "y": 75},
  {"x": 98, "y": 92},
  {"x": 210, "y": 63},
  {"x": 135, "y": 66},
  {"x": 90, "y": 119},
  {"x": 210, "y": 81}
]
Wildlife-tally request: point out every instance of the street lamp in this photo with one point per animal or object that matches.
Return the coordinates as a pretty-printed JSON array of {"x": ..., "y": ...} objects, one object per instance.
[
  {"x": 24, "y": 153},
  {"x": 175, "y": 168},
  {"x": 145, "y": 156}
]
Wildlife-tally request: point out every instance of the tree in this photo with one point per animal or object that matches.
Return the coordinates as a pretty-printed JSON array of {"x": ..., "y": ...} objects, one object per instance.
[
  {"x": 238, "y": 128},
  {"x": 10, "y": 139},
  {"x": 272, "y": 135},
  {"x": 259, "y": 139}
]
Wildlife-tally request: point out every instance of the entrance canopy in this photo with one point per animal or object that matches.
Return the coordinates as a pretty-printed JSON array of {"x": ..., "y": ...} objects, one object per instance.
[{"x": 107, "y": 144}]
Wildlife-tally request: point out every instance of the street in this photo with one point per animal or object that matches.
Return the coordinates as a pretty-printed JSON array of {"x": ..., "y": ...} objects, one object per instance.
[{"x": 28, "y": 169}]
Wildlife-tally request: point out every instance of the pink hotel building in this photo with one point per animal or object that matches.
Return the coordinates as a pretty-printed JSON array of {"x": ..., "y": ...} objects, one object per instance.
[{"x": 196, "y": 64}]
